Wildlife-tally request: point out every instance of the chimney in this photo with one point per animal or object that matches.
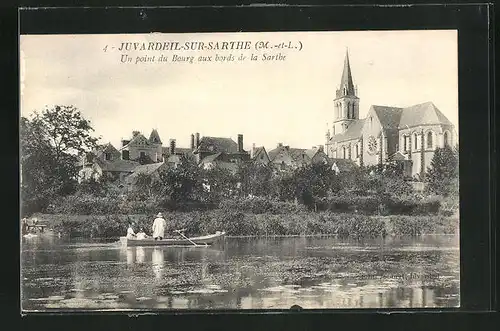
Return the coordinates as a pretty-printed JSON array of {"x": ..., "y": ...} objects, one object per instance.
[
  {"x": 321, "y": 148},
  {"x": 240, "y": 143},
  {"x": 172, "y": 146},
  {"x": 197, "y": 139},
  {"x": 280, "y": 144},
  {"x": 192, "y": 141},
  {"x": 135, "y": 133},
  {"x": 252, "y": 153}
]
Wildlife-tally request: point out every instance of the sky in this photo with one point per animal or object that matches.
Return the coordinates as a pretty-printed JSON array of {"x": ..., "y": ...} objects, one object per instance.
[{"x": 269, "y": 102}]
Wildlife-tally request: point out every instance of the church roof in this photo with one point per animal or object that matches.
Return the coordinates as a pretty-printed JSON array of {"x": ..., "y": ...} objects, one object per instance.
[
  {"x": 346, "y": 80},
  {"x": 424, "y": 113},
  {"x": 154, "y": 137},
  {"x": 389, "y": 117},
  {"x": 353, "y": 131}
]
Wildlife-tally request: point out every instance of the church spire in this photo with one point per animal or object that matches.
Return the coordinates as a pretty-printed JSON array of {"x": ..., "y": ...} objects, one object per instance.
[{"x": 346, "y": 83}]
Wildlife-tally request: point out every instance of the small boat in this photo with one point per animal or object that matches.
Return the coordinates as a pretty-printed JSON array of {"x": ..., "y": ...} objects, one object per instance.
[{"x": 194, "y": 241}]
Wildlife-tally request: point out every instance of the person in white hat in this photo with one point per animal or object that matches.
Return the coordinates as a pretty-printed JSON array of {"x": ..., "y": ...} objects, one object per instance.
[{"x": 159, "y": 225}]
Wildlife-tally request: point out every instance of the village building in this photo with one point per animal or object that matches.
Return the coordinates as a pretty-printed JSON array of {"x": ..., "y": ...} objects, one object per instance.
[
  {"x": 285, "y": 157},
  {"x": 105, "y": 162},
  {"x": 259, "y": 155},
  {"x": 407, "y": 135},
  {"x": 220, "y": 151},
  {"x": 150, "y": 171}
]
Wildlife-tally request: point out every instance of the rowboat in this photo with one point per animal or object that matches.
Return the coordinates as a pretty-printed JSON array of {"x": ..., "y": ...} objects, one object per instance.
[{"x": 194, "y": 241}]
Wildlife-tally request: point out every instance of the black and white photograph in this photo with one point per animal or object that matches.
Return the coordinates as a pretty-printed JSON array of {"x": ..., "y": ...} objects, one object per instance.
[{"x": 239, "y": 171}]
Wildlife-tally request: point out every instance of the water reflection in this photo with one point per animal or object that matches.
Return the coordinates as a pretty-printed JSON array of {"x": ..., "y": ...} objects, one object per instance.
[
  {"x": 158, "y": 260},
  {"x": 140, "y": 255},
  {"x": 248, "y": 274}
]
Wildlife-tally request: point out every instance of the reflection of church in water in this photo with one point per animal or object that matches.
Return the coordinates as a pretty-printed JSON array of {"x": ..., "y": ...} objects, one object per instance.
[{"x": 409, "y": 135}]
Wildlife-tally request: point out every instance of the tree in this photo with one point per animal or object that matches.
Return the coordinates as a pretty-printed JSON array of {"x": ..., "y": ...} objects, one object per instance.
[
  {"x": 182, "y": 183},
  {"x": 221, "y": 182},
  {"x": 442, "y": 174},
  {"x": 255, "y": 178},
  {"x": 50, "y": 143}
]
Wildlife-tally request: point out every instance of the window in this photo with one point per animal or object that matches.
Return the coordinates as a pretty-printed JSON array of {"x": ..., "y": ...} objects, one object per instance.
[
  {"x": 429, "y": 139},
  {"x": 143, "y": 154},
  {"x": 344, "y": 152},
  {"x": 371, "y": 122},
  {"x": 446, "y": 139},
  {"x": 357, "y": 150},
  {"x": 125, "y": 155},
  {"x": 415, "y": 140},
  {"x": 406, "y": 141},
  {"x": 107, "y": 156}
]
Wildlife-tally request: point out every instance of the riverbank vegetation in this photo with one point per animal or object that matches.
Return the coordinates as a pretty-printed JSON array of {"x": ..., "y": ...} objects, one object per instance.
[{"x": 256, "y": 200}]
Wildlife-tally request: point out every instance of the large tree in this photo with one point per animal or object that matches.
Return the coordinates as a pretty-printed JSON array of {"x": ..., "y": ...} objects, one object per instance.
[
  {"x": 182, "y": 183},
  {"x": 50, "y": 143},
  {"x": 442, "y": 174}
]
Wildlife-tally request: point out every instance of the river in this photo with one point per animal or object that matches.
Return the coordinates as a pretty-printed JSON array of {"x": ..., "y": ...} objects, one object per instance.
[{"x": 246, "y": 273}]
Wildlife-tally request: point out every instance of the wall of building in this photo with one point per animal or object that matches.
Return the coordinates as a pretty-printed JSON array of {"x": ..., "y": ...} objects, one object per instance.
[
  {"x": 437, "y": 132},
  {"x": 153, "y": 151},
  {"x": 372, "y": 127}
]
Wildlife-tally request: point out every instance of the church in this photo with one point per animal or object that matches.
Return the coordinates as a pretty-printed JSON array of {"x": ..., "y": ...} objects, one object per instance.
[{"x": 408, "y": 135}]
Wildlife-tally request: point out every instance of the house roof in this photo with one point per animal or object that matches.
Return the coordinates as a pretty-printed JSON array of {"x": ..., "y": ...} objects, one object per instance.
[
  {"x": 311, "y": 152},
  {"x": 398, "y": 156},
  {"x": 219, "y": 144},
  {"x": 136, "y": 138},
  {"x": 232, "y": 167},
  {"x": 145, "y": 169},
  {"x": 154, "y": 137},
  {"x": 210, "y": 158},
  {"x": 258, "y": 151},
  {"x": 424, "y": 113},
  {"x": 389, "y": 117},
  {"x": 118, "y": 165},
  {"x": 298, "y": 154},
  {"x": 97, "y": 152},
  {"x": 353, "y": 131}
]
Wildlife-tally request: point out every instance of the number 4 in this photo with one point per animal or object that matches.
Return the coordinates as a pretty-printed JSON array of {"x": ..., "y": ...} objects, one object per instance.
[{"x": 105, "y": 48}]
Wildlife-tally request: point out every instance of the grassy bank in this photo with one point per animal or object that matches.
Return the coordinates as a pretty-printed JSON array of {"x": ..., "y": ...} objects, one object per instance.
[{"x": 247, "y": 224}]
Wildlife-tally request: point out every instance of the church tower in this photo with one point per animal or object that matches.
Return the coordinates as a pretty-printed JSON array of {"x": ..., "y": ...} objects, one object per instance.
[{"x": 346, "y": 102}]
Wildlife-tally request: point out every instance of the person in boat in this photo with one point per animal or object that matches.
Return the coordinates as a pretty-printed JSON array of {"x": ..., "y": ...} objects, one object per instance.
[
  {"x": 130, "y": 232},
  {"x": 159, "y": 225},
  {"x": 141, "y": 234}
]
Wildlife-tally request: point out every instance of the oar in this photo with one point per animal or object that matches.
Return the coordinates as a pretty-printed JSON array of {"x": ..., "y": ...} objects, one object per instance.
[{"x": 182, "y": 234}]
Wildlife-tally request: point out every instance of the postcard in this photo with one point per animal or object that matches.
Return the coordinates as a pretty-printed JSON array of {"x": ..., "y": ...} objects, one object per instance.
[{"x": 201, "y": 171}]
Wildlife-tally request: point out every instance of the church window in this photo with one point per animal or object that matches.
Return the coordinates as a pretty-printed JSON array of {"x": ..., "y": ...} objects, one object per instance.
[
  {"x": 429, "y": 139},
  {"x": 107, "y": 156},
  {"x": 345, "y": 90},
  {"x": 357, "y": 150},
  {"x": 406, "y": 143},
  {"x": 344, "y": 152},
  {"x": 371, "y": 122},
  {"x": 143, "y": 154},
  {"x": 415, "y": 140},
  {"x": 445, "y": 138}
]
